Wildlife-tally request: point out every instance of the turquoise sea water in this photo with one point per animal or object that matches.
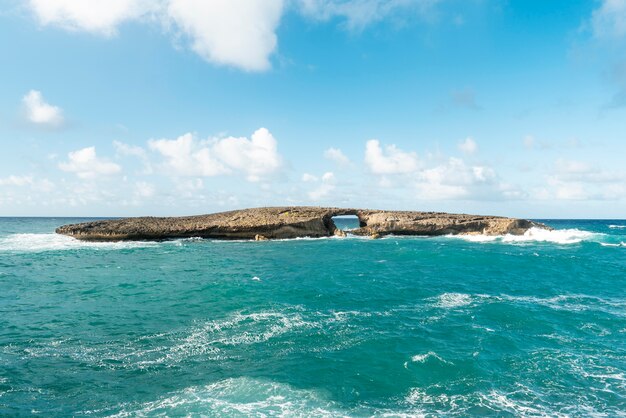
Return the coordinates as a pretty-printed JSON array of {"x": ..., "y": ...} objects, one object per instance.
[{"x": 532, "y": 326}]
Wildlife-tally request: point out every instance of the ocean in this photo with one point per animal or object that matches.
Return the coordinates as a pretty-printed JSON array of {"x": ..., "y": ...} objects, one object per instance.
[{"x": 400, "y": 326}]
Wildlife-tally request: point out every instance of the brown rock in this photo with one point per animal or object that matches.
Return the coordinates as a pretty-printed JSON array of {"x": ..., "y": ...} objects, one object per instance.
[{"x": 292, "y": 222}]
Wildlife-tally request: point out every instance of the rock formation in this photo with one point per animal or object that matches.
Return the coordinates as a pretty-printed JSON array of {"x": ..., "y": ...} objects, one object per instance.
[{"x": 292, "y": 222}]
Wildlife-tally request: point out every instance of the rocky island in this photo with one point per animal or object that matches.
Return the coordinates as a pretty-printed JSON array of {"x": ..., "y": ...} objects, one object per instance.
[{"x": 293, "y": 222}]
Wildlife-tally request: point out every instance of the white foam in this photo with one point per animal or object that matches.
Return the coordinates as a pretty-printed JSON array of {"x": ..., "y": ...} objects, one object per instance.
[
  {"x": 607, "y": 244},
  {"x": 453, "y": 300},
  {"x": 237, "y": 397},
  {"x": 422, "y": 358},
  {"x": 558, "y": 236},
  {"x": 56, "y": 242},
  {"x": 477, "y": 238},
  {"x": 617, "y": 226},
  {"x": 535, "y": 234}
]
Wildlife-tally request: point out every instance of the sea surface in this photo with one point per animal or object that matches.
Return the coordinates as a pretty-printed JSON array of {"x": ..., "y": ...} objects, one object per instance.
[{"x": 401, "y": 326}]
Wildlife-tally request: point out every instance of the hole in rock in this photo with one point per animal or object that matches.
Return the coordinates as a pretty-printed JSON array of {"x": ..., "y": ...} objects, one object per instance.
[{"x": 347, "y": 222}]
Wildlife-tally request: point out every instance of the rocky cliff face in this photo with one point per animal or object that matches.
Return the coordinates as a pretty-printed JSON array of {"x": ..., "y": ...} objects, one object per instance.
[{"x": 292, "y": 222}]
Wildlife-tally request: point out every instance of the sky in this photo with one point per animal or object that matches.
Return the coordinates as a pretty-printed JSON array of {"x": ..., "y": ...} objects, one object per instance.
[{"x": 180, "y": 107}]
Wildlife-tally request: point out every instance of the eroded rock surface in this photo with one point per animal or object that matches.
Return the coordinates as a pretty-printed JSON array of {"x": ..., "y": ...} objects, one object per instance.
[{"x": 292, "y": 222}]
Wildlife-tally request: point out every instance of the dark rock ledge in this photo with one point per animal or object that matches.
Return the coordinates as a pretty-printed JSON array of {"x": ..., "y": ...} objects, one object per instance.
[{"x": 293, "y": 222}]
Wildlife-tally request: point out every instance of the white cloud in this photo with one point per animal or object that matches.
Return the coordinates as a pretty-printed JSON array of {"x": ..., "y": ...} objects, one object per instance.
[
  {"x": 188, "y": 157},
  {"x": 468, "y": 146},
  {"x": 309, "y": 178},
  {"x": 144, "y": 189},
  {"x": 456, "y": 180},
  {"x": 100, "y": 17},
  {"x": 87, "y": 165},
  {"x": 391, "y": 160},
  {"x": 256, "y": 157},
  {"x": 609, "y": 20},
  {"x": 38, "y": 112},
  {"x": 360, "y": 13},
  {"x": 328, "y": 177},
  {"x": 127, "y": 150},
  {"x": 18, "y": 181},
  {"x": 189, "y": 187},
  {"x": 239, "y": 33},
  {"x": 336, "y": 155},
  {"x": 326, "y": 187},
  {"x": 577, "y": 180},
  {"x": 570, "y": 170}
]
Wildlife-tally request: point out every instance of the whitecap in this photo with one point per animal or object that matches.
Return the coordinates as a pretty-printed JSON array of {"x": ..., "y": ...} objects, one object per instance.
[
  {"x": 617, "y": 226},
  {"x": 57, "y": 242},
  {"x": 476, "y": 237},
  {"x": 237, "y": 397},
  {"x": 422, "y": 358},
  {"x": 557, "y": 236},
  {"x": 453, "y": 300},
  {"x": 608, "y": 244},
  {"x": 535, "y": 234}
]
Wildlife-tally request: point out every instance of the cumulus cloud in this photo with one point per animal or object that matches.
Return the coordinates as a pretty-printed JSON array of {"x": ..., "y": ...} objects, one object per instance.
[
  {"x": 609, "y": 20},
  {"x": 40, "y": 113},
  {"x": 337, "y": 156},
  {"x": 434, "y": 178},
  {"x": 391, "y": 160},
  {"x": 468, "y": 146},
  {"x": 87, "y": 165},
  {"x": 578, "y": 180},
  {"x": 240, "y": 33},
  {"x": 100, "y": 17},
  {"x": 454, "y": 179},
  {"x": 326, "y": 187},
  {"x": 256, "y": 157},
  {"x": 188, "y": 157}
]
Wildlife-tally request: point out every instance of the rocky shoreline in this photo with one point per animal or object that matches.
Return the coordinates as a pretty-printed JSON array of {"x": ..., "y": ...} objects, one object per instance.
[{"x": 293, "y": 222}]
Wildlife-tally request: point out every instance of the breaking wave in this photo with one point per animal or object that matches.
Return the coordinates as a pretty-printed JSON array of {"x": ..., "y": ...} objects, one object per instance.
[
  {"x": 453, "y": 300},
  {"x": 57, "y": 242},
  {"x": 571, "y": 303},
  {"x": 556, "y": 236},
  {"x": 236, "y": 397}
]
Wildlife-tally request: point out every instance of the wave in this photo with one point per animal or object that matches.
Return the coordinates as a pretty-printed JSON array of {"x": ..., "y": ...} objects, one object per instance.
[
  {"x": 241, "y": 396},
  {"x": 56, "y": 242},
  {"x": 212, "y": 340},
  {"x": 247, "y": 396},
  {"x": 453, "y": 300},
  {"x": 617, "y": 226},
  {"x": 608, "y": 244},
  {"x": 572, "y": 303},
  {"x": 535, "y": 234},
  {"x": 422, "y": 358}
]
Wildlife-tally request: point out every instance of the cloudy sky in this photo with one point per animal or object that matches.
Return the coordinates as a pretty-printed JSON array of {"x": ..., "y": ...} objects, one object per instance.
[{"x": 170, "y": 107}]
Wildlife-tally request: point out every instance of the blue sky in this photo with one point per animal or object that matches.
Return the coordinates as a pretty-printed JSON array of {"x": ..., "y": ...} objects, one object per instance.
[{"x": 171, "y": 107}]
